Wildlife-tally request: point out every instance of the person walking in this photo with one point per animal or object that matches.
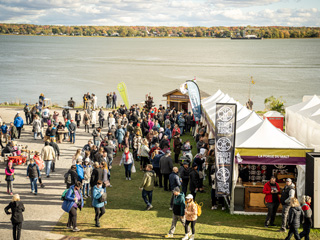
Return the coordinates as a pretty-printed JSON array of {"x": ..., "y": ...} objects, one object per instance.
[
  {"x": 191, "y": 212},
  {"x": 17, "y": 208},
  {"x": 48, "y": 155},
  {"x": 307, "y": 212},
  {"x": 18, "y": 122},
  {"x": 174, "y": 182},
  {"x": 27, "y": 114},
  {"x": 73, "y": 201},
  {"x": 9, "y": 177},
  {"x": 101, "y": 117},
  {"x": 57, "y": 153},
  {"x": 294, "y": 218},
  {"x": 288, "y": 192},
  {"x": 71, "y": 177},
  {"x": 166, "y": 166},
  {"x": 33, "y": 173},
  {"x": 184, "y": 172},
  {"x": 178, "y": 212},
  {"x": 99, "y": 202},
  {"x": 271, "y": 189},
  {"x": 147, "y": 186},
  {"x": 114, "y": 100},
  {"x": 72, "y": 131},
  {"x": 127, "y": 161},
  {"x": 37, "y": 125},
  {"x": 77, "y": 118},
  {"x": 86, "y": 121}
]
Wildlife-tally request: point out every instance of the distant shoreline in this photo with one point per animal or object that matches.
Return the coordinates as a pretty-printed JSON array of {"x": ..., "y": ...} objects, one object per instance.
[{"x": 139, "y": 37}]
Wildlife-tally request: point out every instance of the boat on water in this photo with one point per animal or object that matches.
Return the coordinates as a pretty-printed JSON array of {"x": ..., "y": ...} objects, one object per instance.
[{"x": 247, "y": 37}]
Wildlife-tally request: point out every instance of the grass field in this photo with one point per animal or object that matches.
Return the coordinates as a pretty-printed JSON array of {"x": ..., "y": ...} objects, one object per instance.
[{"x": 126, "y": 217}]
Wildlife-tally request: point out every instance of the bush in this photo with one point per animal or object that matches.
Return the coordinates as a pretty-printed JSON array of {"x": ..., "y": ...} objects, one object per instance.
[{"x": 275, "y": 104}]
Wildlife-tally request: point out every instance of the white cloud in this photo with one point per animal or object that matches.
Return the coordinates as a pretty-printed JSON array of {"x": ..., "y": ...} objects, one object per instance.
[{"x": 156, "y": 12}]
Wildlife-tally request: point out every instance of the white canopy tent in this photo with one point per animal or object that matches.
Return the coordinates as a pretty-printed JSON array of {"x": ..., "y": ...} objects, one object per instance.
[{"x": 303, "y": 122}]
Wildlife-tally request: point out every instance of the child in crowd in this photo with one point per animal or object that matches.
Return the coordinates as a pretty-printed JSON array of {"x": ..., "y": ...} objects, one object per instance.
[{"x": 9, "y": 177}]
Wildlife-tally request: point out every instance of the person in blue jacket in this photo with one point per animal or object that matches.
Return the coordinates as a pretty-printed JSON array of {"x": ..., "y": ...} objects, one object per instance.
[
  {"x": 99, "y": 207},
  {"x": 155, "y": 160},
  {"x": 73, "y": 201},
  {"x": 80, "y": 171},
  {"x": 18, "y": 122}
]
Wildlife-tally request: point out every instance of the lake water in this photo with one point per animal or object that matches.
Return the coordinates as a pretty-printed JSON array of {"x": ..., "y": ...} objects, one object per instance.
[{"x": 64, "y": 67}]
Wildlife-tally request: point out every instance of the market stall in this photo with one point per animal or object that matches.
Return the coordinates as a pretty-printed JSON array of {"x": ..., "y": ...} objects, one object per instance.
[{"x": 261, "y": 152}]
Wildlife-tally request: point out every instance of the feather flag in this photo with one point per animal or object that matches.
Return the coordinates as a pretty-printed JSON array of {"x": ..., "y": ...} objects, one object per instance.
[{"x": 123, "y": 93}]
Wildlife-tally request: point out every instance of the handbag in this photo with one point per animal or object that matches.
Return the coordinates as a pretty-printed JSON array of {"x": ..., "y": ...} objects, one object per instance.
[
  {"x": 133, "y": 169},
  {"x": 103, "y": 198}
]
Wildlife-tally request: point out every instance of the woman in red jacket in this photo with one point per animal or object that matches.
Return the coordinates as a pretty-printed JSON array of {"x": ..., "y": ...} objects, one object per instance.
[{"x": 271, "y": 189}]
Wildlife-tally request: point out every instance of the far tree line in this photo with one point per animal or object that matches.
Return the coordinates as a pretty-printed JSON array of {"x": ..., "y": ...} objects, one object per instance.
[{"x": 142, "y": 31}]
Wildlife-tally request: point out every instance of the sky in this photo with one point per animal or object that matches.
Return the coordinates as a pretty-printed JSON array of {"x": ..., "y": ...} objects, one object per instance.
[{"x": 162, "y": 12}]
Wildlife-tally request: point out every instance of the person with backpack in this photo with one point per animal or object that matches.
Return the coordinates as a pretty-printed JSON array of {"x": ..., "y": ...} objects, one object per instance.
[
  {"x": 288, "y": 192},
  {"x": 191, "y": 212},
  {"x": 307, "y": 221},
  {"x": 73, "y": 201},
  {"x": 86, "y": 121},
  {"x": 99, "y": 201},
  {"x": 294, "y": 218},
  {"x": 33, "y": 173},
  {"x": 147, "y": 186},
  {"x": 71, "y": 177},
  {"x": 17, "y": 208},
  {"x": 178, "y": 212}
]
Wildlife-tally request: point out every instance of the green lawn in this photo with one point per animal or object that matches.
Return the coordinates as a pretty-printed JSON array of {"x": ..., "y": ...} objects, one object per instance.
[{"x": 126, "y": 217}]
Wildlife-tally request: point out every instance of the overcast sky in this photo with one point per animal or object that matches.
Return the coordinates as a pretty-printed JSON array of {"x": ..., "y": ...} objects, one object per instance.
[{"x": 162, "y": 12}]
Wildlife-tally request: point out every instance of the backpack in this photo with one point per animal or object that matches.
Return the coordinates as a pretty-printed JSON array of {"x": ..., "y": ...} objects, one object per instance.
[
  {"x": 199, "y": 207},
  {"x": 63, "y": 195},
  {"x": 67, "y": 178}
]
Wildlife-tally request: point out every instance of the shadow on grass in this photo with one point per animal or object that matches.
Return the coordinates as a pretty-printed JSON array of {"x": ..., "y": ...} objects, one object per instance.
[{"x": 238, "y": 236}]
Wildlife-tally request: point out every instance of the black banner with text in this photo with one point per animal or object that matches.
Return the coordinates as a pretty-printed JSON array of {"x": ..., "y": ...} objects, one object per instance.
[{"x": 225, "y": 128}]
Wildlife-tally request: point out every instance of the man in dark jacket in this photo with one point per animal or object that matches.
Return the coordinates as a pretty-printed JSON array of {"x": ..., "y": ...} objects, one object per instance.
[
  {"x": 71, "y": 176},
  {"x": 114, "y": 100},
  {"x": 166, "y": 168},
  {"x": 33, "y": 173},
  {"x": 184, "y": 172},
  {"x": 72, "y": 131},
  {"x": 288, "y": 192},
  {"x": 178, "y": 211},
  {"x": 157, "y": 155},
  {"x": 271, "y": 189},
  {"x": 174, "y": 181},
  {"x": 194, "y": 181},
  {"x": 57, "y": 151}
]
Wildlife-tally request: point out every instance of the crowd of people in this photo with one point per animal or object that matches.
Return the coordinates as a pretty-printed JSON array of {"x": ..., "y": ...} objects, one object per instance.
[{"x": 147, "y": 136}]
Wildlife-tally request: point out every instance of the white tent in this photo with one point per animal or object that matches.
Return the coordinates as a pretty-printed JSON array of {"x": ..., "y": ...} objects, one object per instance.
[
  {"x": 248, "y": 122},
  {"x": 303, "y": 122}
]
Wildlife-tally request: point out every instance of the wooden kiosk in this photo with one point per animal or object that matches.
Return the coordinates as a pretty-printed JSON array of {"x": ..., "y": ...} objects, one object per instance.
[{"x": 180, "y": 101}]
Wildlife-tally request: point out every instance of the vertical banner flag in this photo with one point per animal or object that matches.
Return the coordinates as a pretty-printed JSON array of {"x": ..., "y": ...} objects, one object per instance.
[
  {"x": 195, "y": 99},
  {"x": 124, "y": 94},
  {"x": 225, "y": 146}
]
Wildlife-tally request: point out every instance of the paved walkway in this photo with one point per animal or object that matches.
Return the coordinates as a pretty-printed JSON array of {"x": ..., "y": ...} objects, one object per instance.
[{"x": 44, "y": 210}]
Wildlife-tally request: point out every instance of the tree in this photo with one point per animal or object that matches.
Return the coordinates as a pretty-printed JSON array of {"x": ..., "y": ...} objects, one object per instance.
[{"x": 275, "y": 104}]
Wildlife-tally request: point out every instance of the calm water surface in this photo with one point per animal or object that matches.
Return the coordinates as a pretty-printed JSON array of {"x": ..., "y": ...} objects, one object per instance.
[{"x": 64, "y": 67}]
